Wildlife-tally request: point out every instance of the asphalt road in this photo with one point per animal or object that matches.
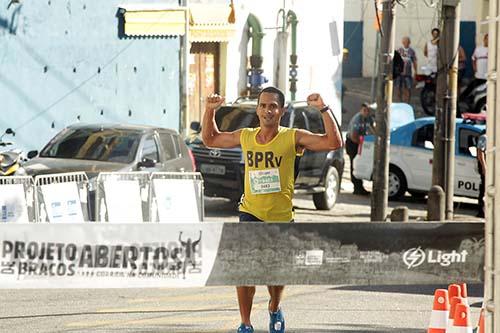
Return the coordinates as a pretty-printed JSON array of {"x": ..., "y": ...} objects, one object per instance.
[{"x": 308, "y": 309}]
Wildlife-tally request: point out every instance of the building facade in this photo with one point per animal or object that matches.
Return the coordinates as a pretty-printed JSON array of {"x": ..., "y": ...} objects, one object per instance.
[
  {"x": 154, "y": 62},
  {"x": 416, "y": 20}
]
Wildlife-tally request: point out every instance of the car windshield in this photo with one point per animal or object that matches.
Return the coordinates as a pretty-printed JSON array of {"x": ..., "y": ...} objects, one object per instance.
[
  {"x": 230, "y": 119},
  {"x": 107, "y": 145}
]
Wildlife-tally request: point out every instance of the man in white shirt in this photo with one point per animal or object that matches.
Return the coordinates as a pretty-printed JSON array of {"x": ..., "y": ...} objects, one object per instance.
[
  {"x": 480, "y": 66},
  {"x": 480, "y": 60}
]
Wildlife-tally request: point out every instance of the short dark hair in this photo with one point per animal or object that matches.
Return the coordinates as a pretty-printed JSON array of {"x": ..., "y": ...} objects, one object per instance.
[
  {"x": 273, "y": 90},
  {"x": 436, "y": 29}
]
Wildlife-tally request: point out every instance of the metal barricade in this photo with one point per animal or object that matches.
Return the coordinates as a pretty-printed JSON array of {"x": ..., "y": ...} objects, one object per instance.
[
  {"x": 177, "y": 197},
  {"x": 122, "y": 197},
  {"x": 17, "y": 199},
  {"x": 62, "y": 197}
]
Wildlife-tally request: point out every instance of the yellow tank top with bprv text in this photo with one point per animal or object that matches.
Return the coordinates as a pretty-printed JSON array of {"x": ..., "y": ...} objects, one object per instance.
[{"x": 269, "y": 175}]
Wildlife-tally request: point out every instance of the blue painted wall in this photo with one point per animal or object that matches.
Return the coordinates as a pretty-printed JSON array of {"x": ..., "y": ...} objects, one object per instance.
[
  {"x": 353, "y": 40},
  {"x": 60, "y": 60},
  {"x": 468, "y": 42}
]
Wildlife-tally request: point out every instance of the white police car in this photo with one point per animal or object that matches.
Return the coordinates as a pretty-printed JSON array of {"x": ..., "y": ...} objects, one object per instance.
[{"x": 411, "y": 155}]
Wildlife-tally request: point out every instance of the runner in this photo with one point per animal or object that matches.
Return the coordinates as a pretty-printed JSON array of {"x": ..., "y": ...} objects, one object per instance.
[{"x": 269, "y": 152}]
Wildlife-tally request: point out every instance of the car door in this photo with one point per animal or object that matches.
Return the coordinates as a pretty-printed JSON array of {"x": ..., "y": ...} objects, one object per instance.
[
  {"x": 171, "y": 153},
  {"x": 149, "y": 151},
  {"x": 467, "y": 176},
  {"x": 311, "y": 163},
  {"x": 419, "y": 157}
]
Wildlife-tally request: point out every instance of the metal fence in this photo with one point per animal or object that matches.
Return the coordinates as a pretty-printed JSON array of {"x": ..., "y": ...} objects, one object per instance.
[
  {"x": 62, "y": 197},
  {"x": 122, "y": 197},
  {"x": 176, "y": 197}
]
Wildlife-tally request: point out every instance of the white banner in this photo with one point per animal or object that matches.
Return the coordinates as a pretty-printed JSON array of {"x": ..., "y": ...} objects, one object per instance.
[
  {"x": 123, "y": 201},
  {"x": 62, "y": 202},
  {"x": 13, "y": 204},
  {"x": 176, "y": 200},
  {"x": 93, "y": 255}
]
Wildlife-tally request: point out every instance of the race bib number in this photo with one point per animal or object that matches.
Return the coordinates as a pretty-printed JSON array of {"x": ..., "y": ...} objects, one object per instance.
[{"x": 265, "y": 181}]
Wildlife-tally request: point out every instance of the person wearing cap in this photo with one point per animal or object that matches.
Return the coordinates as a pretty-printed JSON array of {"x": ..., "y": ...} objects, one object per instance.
[
  {"x": 270, "y": 151},
  {"x": 360, "y": 125}
]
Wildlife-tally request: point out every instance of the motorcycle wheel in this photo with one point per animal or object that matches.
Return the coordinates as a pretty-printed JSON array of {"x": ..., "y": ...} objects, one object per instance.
[
  {"x": 481, "y": 106},
  {"x": 428, "y": 101}
]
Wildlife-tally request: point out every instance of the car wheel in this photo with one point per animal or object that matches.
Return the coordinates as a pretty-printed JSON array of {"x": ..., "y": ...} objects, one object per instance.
[
  {"x": 397, "y": 183},
  {"x": 326, "y": 200},
  {"x": 428, "y": 100}
]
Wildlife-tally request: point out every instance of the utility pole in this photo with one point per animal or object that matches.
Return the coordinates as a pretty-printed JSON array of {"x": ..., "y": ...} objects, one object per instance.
[
  {"x": 379, "y": 197},
  {"x": 492, "y": 188},
  {"x": 443, "y": 167}
]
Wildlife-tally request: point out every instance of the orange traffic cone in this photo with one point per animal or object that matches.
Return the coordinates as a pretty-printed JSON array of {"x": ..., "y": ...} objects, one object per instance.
[
  {"x": 453, "y": 306},
  {"x": 454, "y": 291},
  {"x": 439, "y": 314},
  {"x": 461, "y": 323},
  {"x": 463, "y": 292},
  {"x": 480, "y": 327}
]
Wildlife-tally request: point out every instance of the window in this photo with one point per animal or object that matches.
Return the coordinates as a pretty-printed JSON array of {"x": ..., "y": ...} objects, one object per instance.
[
  {"x": 299, "y": 119},
  {"x": 423, "y": 134},
  {"x": 150, "y": 150},
  {"x": 315, "y": 121},
  {"x": 170, "y": 145},
  {"x": 467, "y": 139}
]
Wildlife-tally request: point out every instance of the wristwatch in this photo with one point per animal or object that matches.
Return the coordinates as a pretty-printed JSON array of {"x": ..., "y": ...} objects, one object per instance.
[{"x": 323, "y": 110}]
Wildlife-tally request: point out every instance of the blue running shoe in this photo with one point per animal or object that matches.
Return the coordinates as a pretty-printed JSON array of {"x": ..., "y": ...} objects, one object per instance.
[
  {"x": 276, "y": 322},
  {"x": 245, "y": 329}
]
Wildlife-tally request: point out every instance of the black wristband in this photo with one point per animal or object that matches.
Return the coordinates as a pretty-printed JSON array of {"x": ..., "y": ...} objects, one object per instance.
[{"x": 323, "y": 110}]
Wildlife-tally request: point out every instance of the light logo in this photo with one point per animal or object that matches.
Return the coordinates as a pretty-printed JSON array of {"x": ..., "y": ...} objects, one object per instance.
[{"x": 414, "y": 257}]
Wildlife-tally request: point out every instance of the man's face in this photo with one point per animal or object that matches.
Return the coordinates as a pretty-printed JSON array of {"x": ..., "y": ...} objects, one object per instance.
[
  {"x": 406, "y": 42},
  {"x": 485, "y": 40},
  {"x": 365, "y": 112},
  {"x": 435, "y": 34},
  {"x": 269, "y": 110}
]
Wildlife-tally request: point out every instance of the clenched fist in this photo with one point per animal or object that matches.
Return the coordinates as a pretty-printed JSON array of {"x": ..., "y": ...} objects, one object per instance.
[
  {"x": 214, "y": 101},
  {"x": 315, "y": 101}
]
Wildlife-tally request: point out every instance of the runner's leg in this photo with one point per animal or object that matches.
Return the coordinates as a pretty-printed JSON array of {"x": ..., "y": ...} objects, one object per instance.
[
  {"x": 245, "y": 301},
  {"x": 275, "y": 292}
]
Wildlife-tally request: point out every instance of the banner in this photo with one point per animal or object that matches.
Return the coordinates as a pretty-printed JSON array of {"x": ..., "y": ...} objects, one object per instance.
[
  {"x": 13, "y": 205},
  {"x": 176, "y": 200},
  {"x": 101, "y": 255},
  {"x": 95, "y": 255},
  {"x": 62, "y": 202}
]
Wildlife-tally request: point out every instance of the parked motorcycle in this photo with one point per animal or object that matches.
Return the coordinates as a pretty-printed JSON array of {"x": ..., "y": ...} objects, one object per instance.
[
  {"x": 468, "y": 101},
  {"x": 9, "y": 160}
]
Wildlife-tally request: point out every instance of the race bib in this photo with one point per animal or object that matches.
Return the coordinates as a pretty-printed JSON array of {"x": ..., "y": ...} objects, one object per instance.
[{"x": 265, "y": 181}]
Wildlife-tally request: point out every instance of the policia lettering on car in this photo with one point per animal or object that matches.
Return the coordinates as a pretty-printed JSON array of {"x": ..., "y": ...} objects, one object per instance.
[{"x": 468, "y": 185}]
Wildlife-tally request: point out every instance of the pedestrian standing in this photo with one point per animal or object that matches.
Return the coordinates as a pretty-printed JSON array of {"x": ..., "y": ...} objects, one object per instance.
[
  {"x": 360, "y": 125},
  {"x": 431, "y": 50},
  {"x": 480, "y": 66},
  {"x": 481, "y": 165},
  {"x": 269, "y": 151},
  {"x": 404, "y": 82}
]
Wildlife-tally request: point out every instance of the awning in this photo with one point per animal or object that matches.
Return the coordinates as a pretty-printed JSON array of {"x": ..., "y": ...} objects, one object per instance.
[
  {"x": 207, "y": 23},
  {"x": 153, "y": 20},
  {"x": 211, "y": 23}
]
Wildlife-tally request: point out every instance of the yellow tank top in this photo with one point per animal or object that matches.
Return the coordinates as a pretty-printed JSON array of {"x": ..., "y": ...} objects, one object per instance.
[{"x": 269, "y": 175}]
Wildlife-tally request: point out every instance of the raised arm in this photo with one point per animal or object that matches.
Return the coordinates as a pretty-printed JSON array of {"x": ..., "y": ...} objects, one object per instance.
[
  {"x": 331, "y": 140},
  {"x": 210, "y": 133}
]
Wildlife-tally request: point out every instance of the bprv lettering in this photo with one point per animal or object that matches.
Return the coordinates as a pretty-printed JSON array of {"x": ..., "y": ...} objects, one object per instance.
[{"x": 254, "y": 159}]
